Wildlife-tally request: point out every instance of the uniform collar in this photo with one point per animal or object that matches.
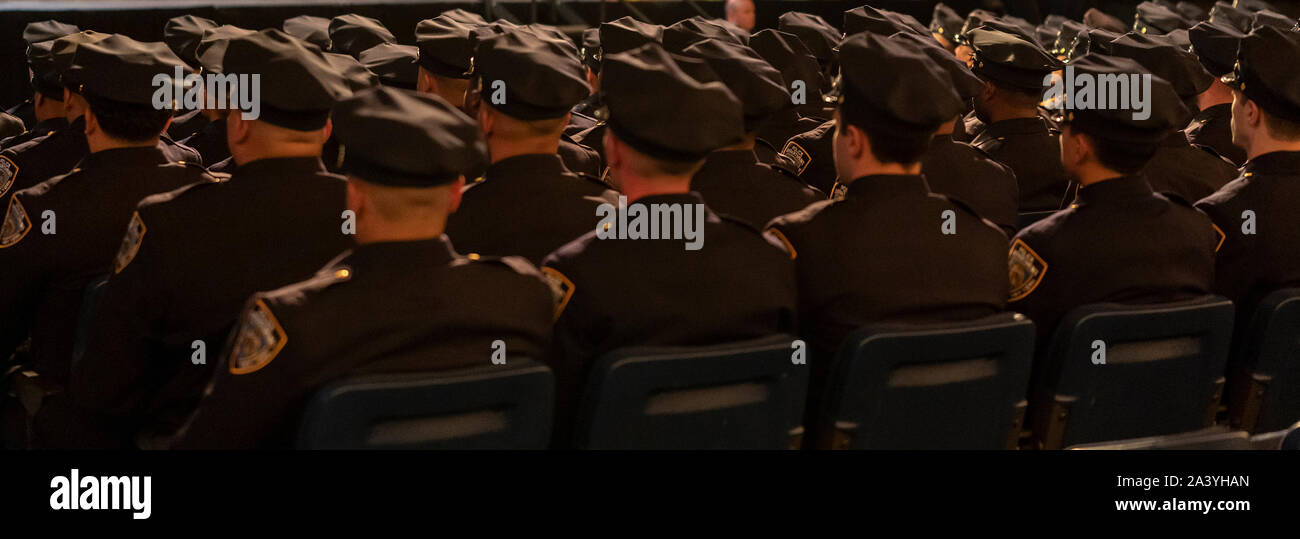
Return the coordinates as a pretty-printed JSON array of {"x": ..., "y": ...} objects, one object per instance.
[
  {"x": 526, "y": 165},
  {"x": 671, "y": 198},
  {"x": 879, "y": 186},
  {"x": 1016, "y": 126},
  {"x": 279, "y": 165},
  {"x": 124, "y": 157},
  {"x": 50, "y": 125},
  {"x": 1115, "y": 189},
  {"x": 410, "y": 255},
  {"x": 1274, "y": 164}
]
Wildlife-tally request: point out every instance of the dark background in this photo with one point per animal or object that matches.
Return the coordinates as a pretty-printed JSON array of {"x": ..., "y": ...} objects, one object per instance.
[{"x": 144, "y": 19}]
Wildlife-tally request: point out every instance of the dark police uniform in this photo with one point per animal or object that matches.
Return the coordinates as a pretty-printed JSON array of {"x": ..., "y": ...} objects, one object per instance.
[
  {"x": 1178, "y": 166},
  {"x": 527, "y": 205},
  {"x": 738, "y": 284},
  {"x": 1264, "y": 254},
  {"x": 1215, "y": 45},
  {"x": 879, "y": 251},
  {"x": 810, "y": 157},
  {"x": 42, "y": 128},
  {"x": 799, "y": 71},
  {"x": 412, "y": 306},
  {"x": 960, "y": 171},
  {"x": 1121, "y": 241},
  {"x": 11, "y": 126},
  {"x": 734, "y": 183},
  {"x": 1026, "y": 145},
  {"x": 183, "y": 34},
  {"x": 192, "y": 256}
]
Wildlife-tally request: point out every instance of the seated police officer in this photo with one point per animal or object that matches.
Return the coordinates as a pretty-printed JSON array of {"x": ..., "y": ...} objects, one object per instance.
[
  {"x": 58, "y": 152},
  {"x": 403, "y": 300},
  {"x": 1120, "y": 241},
  {"x": 47, "y": 93},
  {"x": 1256, "y": 212},
  {"x": 192, "y": 256},
  {"x": 888, "y": 249},
  {"x": 1215, "y": 45},
  {"x": 527, "y": 203},
  {"x": 62, "y": 233},
  {"x": 24, "y": 114},
  {"x": 732, "y": 180},
  {"x": 704, "y": 278},
  {"x": 1013, "y": 69}
]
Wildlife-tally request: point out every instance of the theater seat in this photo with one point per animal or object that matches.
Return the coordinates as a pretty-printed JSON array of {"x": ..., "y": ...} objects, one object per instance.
[
  {"x": 1263, "y": 393},
  {"x": 490, "y": 407},
  {"x": 1162, "y": 372},
  {"x": 944, "y": 386},
  {"x": 745, "y": 395},
  {"x": 1213, "y": 438}
]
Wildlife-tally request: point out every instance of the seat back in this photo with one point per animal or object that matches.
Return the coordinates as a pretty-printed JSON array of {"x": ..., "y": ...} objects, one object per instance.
[
  {"x": 1213, "y": 438},
  {"x": 1113, "y": 372},
  {"x": 746, "y": 395},
  {"x": 1264, "y": 374},
  {"x": 941, "y": 386},
  {"x": 491, "y": 407}
]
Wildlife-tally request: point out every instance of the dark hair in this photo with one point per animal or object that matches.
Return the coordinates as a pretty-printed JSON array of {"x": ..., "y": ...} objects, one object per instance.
[
  {"x": 130, "y": 122},
  {"x": 1122, "y": 157},
  {"x": 888, "y": 145},
  {"x": 1282, "y": 129}
]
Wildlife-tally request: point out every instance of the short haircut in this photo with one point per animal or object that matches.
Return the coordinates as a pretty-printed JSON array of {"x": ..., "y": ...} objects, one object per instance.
[
  {"x": 889, "y": 145},
  {"x": 1282, "y": 129},
  {"x": 1122, "y": 157},
  {"x": 130, "y": 122},
  {"x": 517, "y": 128},
  {"x": 397, "y": 204}
]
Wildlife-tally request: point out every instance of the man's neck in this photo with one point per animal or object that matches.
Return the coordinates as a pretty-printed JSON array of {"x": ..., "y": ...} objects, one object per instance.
[
  {"x": 99, "y": 144},
  {"x": 884, "y": 169},
  {"x": 635, "y": 187},
  {"x": 1270, "y": 145},
  {"x": 399, "y": 234},
  {"x": 1217, "y": 94},
  {"x": 500, "y": 150},
  {"x": 1094, "y": 173},
  {"x": 248, "y": 154}
]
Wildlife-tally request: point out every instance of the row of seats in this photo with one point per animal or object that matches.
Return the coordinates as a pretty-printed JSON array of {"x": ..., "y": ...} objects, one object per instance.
[{"x": 955, "y": 386}]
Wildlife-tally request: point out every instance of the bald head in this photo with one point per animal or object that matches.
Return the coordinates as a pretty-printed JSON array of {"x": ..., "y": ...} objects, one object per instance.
[{"x": 741, "y": 13}]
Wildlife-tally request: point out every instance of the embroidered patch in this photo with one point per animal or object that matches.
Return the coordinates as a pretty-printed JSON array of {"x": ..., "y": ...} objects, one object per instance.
[
  {"x": 259, "y": 339},
  {"x": 130, "y": 243},
  {"x": 16, "y": 224},
  {"x": 8, "y": 171},
  {"x": 1027, "y": 270},
  {"x": 798, "y": 156},
  {"x": 838, "y": 191},
  {"x": 561, "y": 289}
]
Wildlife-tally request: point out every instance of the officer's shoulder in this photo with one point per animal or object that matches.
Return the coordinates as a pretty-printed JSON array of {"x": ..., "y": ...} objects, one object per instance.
[
  {"x": 590, "y": 183},
  {"x": 162, "y": 202},
  {"x": 965, "y": 208},
  {"x": 513, "y": 264},
  {"x": 1225, "y": 196},
  {"x": 1048, "y": 227},
  {"x": 801, "y": 218},
  {"x": 293, "y": 296}
]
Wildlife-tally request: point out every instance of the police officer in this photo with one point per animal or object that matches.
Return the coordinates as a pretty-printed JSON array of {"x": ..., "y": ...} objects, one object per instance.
[
  {"x": 446, "y": 46},
  {"x": 210, "y": 140},
  {"x": 182, "y": 35},
  {"x": 615, "y": 292},
  {"x": 1178, "y": 166},
  {"x": 59, "y": 235},
  {"x": 945, "y": 26},
  {"x": 1215, "y": 45},
  {"x": 47, "y": 96},
  {"x": 44, "y": 157},
  {"x": 33, "y": 33},
  {"x": 527, "y": 203},
  {"x": 352, "y": 33},
  {"x": 889, "y": 249},
  {"x": 1256, "y": 211},
  {"x": 802, "y": 78},
  {"x": 412, "y": 303},
  {"x": 732, "y": 180},
  {"x": 819, "y": 36},
  {"x": 191, "y": 257},
  {"x": 1120, "y": 241},
  {"x": 1013, "y": 69},
  {"x": 956, "y": 169},
  {"x": 619, "y": 35}
]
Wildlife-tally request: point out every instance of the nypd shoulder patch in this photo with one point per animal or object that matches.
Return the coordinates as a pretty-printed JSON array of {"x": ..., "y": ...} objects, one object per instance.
[
  {"x": 130, "y": 243},
  {"x": 561, "y": 288},
  {"x": 799, "y": 157},
  {"x": 16, "y": 224},
  {"x": 258, "y": 340},
  {"x": 1027, "y": 270},
  {"x": 8, "y": 171}
]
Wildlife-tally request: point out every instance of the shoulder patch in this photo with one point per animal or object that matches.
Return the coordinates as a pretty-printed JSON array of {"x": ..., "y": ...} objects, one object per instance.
[
  {"x": 561, "y": 288},
  {"x": 16, "y": 224},
  {"x": 1027, "y": 270},
  {"x": 798, "y": 157},
  {"x": 838, "y": 191},
  {"x": 8, "y": 171},
  {"x": 259, "y": 339},
  {"x": 130, "y": 243},
  {"x": 778, "y": 236}
]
